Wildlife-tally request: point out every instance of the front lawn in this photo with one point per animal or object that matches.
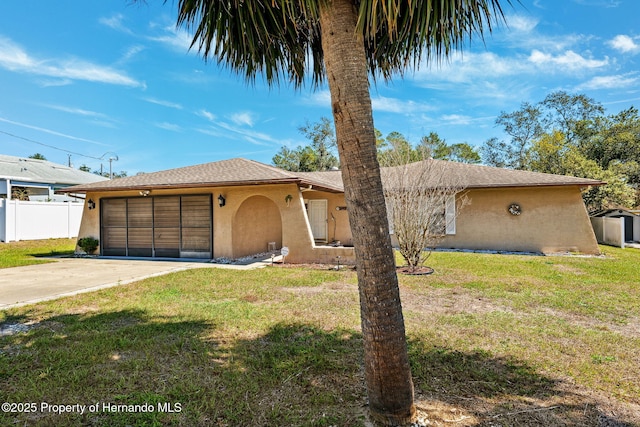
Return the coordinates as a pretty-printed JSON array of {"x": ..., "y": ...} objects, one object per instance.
[
  {"x": 28, "y": 252},
  {"x": 493, "y": 339}
]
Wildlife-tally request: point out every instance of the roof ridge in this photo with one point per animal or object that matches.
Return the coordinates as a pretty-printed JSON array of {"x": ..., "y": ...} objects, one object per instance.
[{"x": 271, "y": 167}]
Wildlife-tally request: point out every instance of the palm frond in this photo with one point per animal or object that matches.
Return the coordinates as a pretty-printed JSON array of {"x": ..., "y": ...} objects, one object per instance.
[
  {"x": 399, "y": 33},
  {"x": 281, "y": 39},
  {"x": 275, "y": 38}
]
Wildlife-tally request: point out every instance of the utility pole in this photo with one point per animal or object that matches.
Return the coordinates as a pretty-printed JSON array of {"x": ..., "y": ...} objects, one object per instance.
[{"x": 113, "y": 157}]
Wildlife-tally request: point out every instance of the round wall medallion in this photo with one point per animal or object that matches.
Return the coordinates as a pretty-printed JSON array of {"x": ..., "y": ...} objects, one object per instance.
[{"x": 515, "y": 209}]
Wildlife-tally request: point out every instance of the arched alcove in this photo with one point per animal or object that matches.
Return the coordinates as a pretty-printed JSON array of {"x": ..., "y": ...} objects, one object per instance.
[{"x": 256, "y": 223}]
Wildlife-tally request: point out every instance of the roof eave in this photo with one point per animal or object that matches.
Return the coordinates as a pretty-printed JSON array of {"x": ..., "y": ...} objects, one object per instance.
[
  {"x": 537, "y": 185},
  {"x": 85, "y": 189}
]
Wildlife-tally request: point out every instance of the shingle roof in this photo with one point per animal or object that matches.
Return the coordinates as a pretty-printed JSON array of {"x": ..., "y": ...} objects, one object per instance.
[
  {"x": 247, "y": 172},
  {"x": 478, "y": 176},
  {"x": 326, "y": 179},
  {"x": 43, "y": 171},
  {"x": 223, "y": 173}
]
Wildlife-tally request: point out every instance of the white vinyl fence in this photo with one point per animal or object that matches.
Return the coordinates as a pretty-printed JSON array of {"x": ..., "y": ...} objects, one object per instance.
[
  {"x": 609, "y": 231},
  {"x": 21, "y": 220}
]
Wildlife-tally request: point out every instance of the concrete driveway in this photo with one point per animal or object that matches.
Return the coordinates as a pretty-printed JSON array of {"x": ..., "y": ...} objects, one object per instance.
[{"x": 69, "y": 276}]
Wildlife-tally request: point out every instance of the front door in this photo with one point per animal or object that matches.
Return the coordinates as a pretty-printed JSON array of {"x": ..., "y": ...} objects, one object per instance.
[{"x": 317, "y": 211}]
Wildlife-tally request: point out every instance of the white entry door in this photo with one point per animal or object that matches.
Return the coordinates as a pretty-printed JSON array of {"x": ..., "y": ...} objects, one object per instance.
[{"x": 317, "y": 211}]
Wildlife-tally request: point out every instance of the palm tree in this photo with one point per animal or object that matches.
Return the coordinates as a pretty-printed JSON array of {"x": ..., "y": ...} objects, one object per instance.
[{"x": 346, "y": 42}]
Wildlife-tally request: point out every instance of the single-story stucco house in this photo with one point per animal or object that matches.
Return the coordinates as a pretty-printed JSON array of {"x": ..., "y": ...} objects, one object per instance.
[{"x": 238, "y": 207}]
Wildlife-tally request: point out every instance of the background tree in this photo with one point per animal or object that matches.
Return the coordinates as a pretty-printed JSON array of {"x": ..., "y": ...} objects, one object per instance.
[
  {"x": 323, "y": 143},
  {"x": 38, "y": 156},
  {"x": 318, "y": 156},
  {"x": 570, "y": 114},
  {"x": 85, "y": 168},
  {"x": 554, "y": 154},
  {"x": 431, "y": 146},
  {"x": 523, "y": 126},
  {"x": 570, "y": 135},
  {"x": 345, "y": 42},
  {"x": 301, "y": 159},
  {"x": 395, "y": 149}
]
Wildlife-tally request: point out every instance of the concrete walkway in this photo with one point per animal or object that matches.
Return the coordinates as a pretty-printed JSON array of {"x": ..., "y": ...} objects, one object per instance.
[{"x": 70, "y": 276}]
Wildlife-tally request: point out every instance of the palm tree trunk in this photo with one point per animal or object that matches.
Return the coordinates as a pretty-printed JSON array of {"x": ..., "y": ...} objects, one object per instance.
[{"x": 386, "y": 362}]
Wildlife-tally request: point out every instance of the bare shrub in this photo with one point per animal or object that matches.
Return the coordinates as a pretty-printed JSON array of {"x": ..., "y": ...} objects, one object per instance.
[{"x": 423, "y": 199}]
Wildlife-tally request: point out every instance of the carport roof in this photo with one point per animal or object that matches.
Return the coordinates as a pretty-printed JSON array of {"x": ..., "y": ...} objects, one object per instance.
[
  {"x": 238, "y": 171},
  {"x": 43, "y": 171}
]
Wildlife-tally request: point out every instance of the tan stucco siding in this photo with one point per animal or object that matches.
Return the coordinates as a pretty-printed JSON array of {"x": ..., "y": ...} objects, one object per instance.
[
  {"x": 553, "y": 219},
  {"x": 292, "y": 222},
  {"x": 256, "y": 224}
]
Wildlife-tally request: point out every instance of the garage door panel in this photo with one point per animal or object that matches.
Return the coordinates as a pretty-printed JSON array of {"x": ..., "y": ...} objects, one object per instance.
[
  {"x": 195, "y": 239},
  {"x": 114, "y": 213},
  {"x": 196, "y": 211},
  {"x": 140, "y": 212},
  {"x": 171, "y": 226},
  {"x": 166, "y": 212},
  {"x": 114, "y": 242}
]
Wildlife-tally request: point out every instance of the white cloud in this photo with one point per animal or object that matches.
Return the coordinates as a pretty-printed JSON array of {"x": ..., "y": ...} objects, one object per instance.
[
  {"x": 15, "y": 58},
  {"x": 320, "y": 98},
  {"x": 206, "y": 114},
  {"x": 610, "y": 82},
  {"x": 457, "y": 119},
  {"x": 243, "y": 119},
  {"x": 51, "y": 132},
  {"x": 599, "y": 3},
  {"x": 131, "y": 53},
  {"x": 624, "y": 44},
  {"x": 115, "y": 22},
  {"x": 568, "y": 61},
  {"x": 258, "y": 138},
  {"x": 395, "y": 105},
  {"x": 176, "y": 39},
  {"x": 224, "y": 130},
  {"x": 168, "y": 126},
  {"x": 163, "y": 103},
  {"x": 521, "y": 23},
  {"x": 469, "y": 68},
  {"x": 76, "y": 111}
]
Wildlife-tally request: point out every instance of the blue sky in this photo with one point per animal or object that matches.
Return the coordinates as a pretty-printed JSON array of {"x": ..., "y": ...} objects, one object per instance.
[{"x": 98, "y": 78}]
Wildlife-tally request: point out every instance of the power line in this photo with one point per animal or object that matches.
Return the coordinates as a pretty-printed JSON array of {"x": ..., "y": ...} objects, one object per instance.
[{"x": 51, "y": 146}]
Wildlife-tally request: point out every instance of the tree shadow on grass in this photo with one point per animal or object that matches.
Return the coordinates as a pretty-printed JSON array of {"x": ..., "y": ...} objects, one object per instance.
[
  {"x": 194, "y": 374},
  {"x": 478, "y": 389},
  {"x": 114, "y": 358}
]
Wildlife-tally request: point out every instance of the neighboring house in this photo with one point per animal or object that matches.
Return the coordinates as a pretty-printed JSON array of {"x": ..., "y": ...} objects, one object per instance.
[
  {"x": 235, "y": 208},
  {"x": 30, "y": 207},
  {"x": 617, "y": 227}
]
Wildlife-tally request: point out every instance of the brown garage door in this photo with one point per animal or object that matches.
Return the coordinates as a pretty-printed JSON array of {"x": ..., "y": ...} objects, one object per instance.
[{"x": 173, "y": 226}]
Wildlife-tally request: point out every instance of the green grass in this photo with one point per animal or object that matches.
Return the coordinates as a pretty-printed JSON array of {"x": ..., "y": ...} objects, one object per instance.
[
  {"x": 493, "y": 340},
  {"x": 28, "y": 252}
]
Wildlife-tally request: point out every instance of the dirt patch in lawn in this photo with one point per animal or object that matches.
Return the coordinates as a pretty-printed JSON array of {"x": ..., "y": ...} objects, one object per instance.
[{"x": 449, "y": 301}]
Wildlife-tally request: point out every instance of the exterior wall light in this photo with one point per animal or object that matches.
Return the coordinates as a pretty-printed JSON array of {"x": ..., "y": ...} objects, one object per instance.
[
  {"x": 91, "y": 204},
  {"x": 221, "y": 200}
]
